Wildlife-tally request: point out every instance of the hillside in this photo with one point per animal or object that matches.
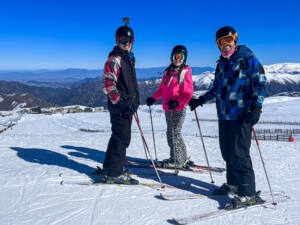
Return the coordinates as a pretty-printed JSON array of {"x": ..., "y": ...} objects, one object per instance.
[
  {"x": 11, "y": 87},
  {"x": 15, "y": 101}
]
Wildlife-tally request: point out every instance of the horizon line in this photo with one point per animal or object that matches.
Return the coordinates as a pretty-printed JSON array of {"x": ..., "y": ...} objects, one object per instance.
[{"x": 82, "y": 68}]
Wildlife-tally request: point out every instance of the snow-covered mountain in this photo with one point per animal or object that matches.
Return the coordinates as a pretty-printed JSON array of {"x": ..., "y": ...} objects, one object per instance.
[
  {"x": 204, "y": 80},
  {"x": 283, "y": 68},
  {"x": 282, "y": 77},
  {"x": 283, "y": 73},
  {"x": 15, "y": 101}
]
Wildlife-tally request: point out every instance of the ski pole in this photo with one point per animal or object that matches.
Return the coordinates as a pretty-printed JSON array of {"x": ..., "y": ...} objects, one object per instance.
[
  {"x": 212, "y": 181},
  {"x": 153, "y": 133},
  {"x": 145, "y": 144},
  {"x": 173, "y": 143},
  {"x": 262, "y": 160}
]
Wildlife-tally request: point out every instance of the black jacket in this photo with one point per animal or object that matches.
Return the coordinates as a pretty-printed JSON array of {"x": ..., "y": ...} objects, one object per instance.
[{"x": 126, "y": 84}]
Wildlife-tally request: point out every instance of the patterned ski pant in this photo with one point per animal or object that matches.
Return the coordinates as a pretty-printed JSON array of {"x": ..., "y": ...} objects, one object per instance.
[{"x": 176, "y": 121}]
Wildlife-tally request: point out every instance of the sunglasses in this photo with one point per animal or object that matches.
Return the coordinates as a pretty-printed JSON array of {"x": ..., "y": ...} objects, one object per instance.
[
  {"x": 124, "y": 40},
  {"x": 228, "y": 39},
  {"x": 178, "y": 56}
]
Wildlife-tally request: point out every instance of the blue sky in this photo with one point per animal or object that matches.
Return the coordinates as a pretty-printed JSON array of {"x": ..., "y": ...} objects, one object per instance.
[{"x": 58, "y": 34}]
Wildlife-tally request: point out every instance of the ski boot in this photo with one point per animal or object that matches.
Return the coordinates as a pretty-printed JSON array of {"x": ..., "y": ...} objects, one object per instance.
[
  {"x": 99, "y": 171},
  {"x": 124, "y": 178},
  {"x": 170, "y": 164},
  {"x": 103, "y": 172},
  {"x": 225, "y": 189},
  {"x": 190, "y": 163},
  {"x": 241, "y": 201}
]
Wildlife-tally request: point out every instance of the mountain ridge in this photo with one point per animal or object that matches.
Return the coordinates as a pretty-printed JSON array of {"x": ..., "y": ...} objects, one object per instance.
[{"x": 281, "y": 78}]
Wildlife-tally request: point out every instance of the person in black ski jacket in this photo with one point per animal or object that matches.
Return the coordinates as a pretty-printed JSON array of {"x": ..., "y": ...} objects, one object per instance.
[
  {"x": 239, "y": 88},
  {"x": 120, "y": 85}
]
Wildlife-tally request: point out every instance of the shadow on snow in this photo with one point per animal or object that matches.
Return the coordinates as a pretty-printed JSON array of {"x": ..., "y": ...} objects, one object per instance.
[{"x": 44, "y": 156}]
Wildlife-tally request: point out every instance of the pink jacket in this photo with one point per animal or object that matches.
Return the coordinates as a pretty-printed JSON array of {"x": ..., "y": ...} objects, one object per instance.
[{"x": 172, "y": 87}]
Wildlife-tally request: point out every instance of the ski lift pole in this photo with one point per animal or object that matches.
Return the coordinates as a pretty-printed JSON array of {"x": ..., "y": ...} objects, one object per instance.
[
  {"x": 262, "y": 160},
  {"x": 153, "y": 133},
  {"x": 212, "y": 181},
  {"x": 145, "y": 143}
]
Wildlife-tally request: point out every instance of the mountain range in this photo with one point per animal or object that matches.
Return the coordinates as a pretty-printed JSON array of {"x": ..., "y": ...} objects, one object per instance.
[
  {"x": 66, "y": 78},
  {"x": 282, "y": 79}
]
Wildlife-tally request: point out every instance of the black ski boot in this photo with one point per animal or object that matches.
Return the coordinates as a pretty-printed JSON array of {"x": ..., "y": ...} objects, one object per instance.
[
  {"x": 242, "y": 201},
  {"x": 127, "y": 171},
  {"x": 99, "y": 172},
  {"x": 190, "y": 163},
  {"x": 124, "y": 178},
  {"x": 225, "y": 189},
  {"x": 102, "y": 172},
  {"x": 170, "y": 164}
]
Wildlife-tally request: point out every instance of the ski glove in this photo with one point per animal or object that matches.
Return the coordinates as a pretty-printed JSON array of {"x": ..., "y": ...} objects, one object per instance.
[
  {"x": 172, "y": 104},
  {"x": 150, "y": 101},
  {"x": 195, "y": 102},
  {"x": 253, "y": 116}
]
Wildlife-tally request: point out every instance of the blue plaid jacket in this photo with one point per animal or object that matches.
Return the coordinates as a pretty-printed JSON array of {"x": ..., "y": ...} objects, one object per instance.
[{"x": 239, "y": 84}]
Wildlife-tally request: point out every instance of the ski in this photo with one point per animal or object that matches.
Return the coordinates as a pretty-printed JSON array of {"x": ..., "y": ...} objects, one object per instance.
[
  {"x": 182, "y": 185},
  {"x": 153, "y": 174},
  {"x": 175, "y": 197},
  {"x": 194, "y": 166},
  {"x": 222, "y": 212},
  {"x": 98, "y": 172},
  {"x": 162, "y": 168},
  {"x": 214, "y": 169}
]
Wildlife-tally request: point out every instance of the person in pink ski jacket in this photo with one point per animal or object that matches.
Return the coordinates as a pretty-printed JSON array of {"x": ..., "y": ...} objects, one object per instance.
[{"x": 176, "y": 90}]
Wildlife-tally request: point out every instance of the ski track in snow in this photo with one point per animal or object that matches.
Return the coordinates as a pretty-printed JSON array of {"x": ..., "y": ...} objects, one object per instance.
[{"x": 42, "y": 150}]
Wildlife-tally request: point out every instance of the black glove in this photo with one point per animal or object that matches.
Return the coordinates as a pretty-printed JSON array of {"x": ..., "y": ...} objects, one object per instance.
[
  {"x": 150, "y": 101},
  {"x": 195, "y": 102},
  {"x": 253, "y": 116},
  {"x": 172, "y": 104}
]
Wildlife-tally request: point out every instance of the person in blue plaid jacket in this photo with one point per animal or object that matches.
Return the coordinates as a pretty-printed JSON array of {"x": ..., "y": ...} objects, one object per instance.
[{"x": 239, "y": 88}]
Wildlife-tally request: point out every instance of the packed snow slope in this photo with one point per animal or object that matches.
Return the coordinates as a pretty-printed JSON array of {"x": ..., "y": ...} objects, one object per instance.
[{"x": 42, "y": 150}]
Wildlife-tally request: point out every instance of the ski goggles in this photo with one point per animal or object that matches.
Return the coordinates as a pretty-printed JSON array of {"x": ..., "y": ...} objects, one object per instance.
[
  {"x": 124, "y": 40},
  {"x": 178, "y": 56},
  {"x": 228, "y": 39}
]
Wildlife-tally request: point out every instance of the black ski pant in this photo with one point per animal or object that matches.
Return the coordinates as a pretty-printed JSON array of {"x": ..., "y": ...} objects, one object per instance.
[
  {"x": 235, "y": 142},
  {"x": 119, "y": 141}
]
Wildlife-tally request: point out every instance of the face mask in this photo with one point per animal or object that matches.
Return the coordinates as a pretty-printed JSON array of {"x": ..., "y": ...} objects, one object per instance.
[{"x": 228, "y": 54}]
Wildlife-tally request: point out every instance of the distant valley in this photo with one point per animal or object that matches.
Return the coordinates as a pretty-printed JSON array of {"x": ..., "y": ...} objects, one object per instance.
[{"x": 68, "y": 89}]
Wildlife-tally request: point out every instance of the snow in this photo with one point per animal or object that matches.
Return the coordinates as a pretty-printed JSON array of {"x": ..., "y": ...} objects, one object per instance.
[
  {"x": 283, "y": 77},
  {"x": 42, "y": 150},
  {"x": 292, "y": 68},
  {"x": 271, "y": 100},
  {"x": 204, "y": 79},
  {"x": 281, "y": 73},
  {"x": 19, "y": 106},
  {"x": 1, "y": 99},
  {"x": 14, "y": 103}
]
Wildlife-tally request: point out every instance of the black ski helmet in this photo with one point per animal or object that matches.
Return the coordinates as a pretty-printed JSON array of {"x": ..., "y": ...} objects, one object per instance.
[
  {"x": 180, "y": 49},
  {"x": 224, "y": 31},
  {"x": 124, "y": 32}
]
